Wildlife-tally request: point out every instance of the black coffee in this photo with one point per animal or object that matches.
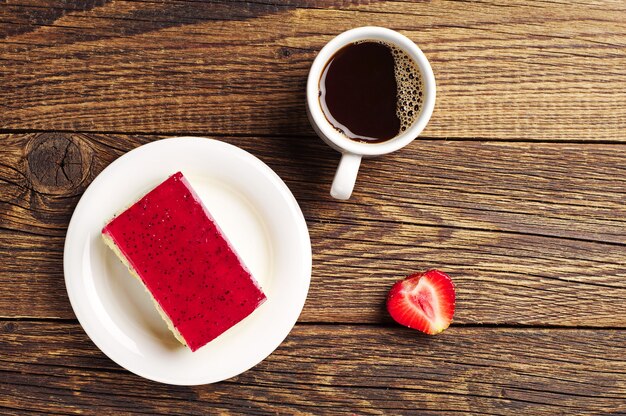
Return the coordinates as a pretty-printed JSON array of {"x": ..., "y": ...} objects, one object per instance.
[{"x": 370, "y": 91}]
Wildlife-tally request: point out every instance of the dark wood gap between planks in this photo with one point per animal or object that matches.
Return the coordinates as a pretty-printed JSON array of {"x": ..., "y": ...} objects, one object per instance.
[
  {"x": 200, "y": 133},
  {"x": 20, "y": 411},
  {"x": 388, "y": 324}
]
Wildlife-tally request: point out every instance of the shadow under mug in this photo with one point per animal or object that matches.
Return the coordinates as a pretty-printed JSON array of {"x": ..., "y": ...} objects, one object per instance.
[{"x": 352, "y": 151}]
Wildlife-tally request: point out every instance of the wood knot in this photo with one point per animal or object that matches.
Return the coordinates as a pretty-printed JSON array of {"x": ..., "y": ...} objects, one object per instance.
[
  {"x": 284, "y": 52},
  {"x": 9, "y": 328},
  {"x": 57, "y": 162}
]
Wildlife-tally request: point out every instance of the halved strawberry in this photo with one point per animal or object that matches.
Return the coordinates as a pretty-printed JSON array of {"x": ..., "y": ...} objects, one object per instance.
[{"x": 423, "y": 301}]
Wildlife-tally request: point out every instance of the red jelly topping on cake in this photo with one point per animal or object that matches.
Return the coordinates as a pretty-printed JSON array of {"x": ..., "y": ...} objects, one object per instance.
[{"x": 185, "y": 261}]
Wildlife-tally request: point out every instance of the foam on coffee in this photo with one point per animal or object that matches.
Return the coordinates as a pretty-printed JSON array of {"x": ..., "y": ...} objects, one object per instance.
[
  {"x": 409, "y": 83},
  {"x": 410, "y": 87}
]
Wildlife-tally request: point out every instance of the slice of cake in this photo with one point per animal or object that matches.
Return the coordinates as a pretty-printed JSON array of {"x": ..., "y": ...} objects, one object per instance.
[{"x": 170, "y": 242}]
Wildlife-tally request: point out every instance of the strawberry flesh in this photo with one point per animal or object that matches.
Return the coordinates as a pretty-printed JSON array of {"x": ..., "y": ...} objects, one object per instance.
[{"x": 423, "y": 301}]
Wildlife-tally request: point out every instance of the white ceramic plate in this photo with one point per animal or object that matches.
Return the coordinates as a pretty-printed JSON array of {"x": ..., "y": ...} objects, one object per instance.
[{"x": 260, "y": 217}]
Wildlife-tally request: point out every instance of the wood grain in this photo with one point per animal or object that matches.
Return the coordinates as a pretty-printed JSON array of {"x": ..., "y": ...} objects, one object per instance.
[
  {"x": 520, "y": 70},
  {"x": 334, "y": 369},
  {"x": 519, "y": 193},
  {"x": 532, "y": 234}
]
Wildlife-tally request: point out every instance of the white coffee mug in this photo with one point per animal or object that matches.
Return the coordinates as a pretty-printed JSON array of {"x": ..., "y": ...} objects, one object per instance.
[{"x": 352, "y": 151}]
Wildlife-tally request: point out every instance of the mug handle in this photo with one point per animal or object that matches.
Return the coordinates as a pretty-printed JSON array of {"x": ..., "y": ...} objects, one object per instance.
[{"x": 345, "y": 176}]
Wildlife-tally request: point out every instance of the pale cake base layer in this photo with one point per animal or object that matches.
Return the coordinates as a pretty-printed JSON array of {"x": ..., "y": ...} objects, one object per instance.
[{"x": 111, "y": 244}]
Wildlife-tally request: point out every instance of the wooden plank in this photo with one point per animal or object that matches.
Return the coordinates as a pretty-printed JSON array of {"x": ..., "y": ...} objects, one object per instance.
[
  {"x": 332, "y": 369},
  {"x": 531, "y": 233},
  {"x": 530, "y": 70}
]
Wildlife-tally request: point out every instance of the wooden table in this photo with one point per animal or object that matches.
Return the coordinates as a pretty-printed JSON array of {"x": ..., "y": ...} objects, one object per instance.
[{"x": 517, "y": 189}]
